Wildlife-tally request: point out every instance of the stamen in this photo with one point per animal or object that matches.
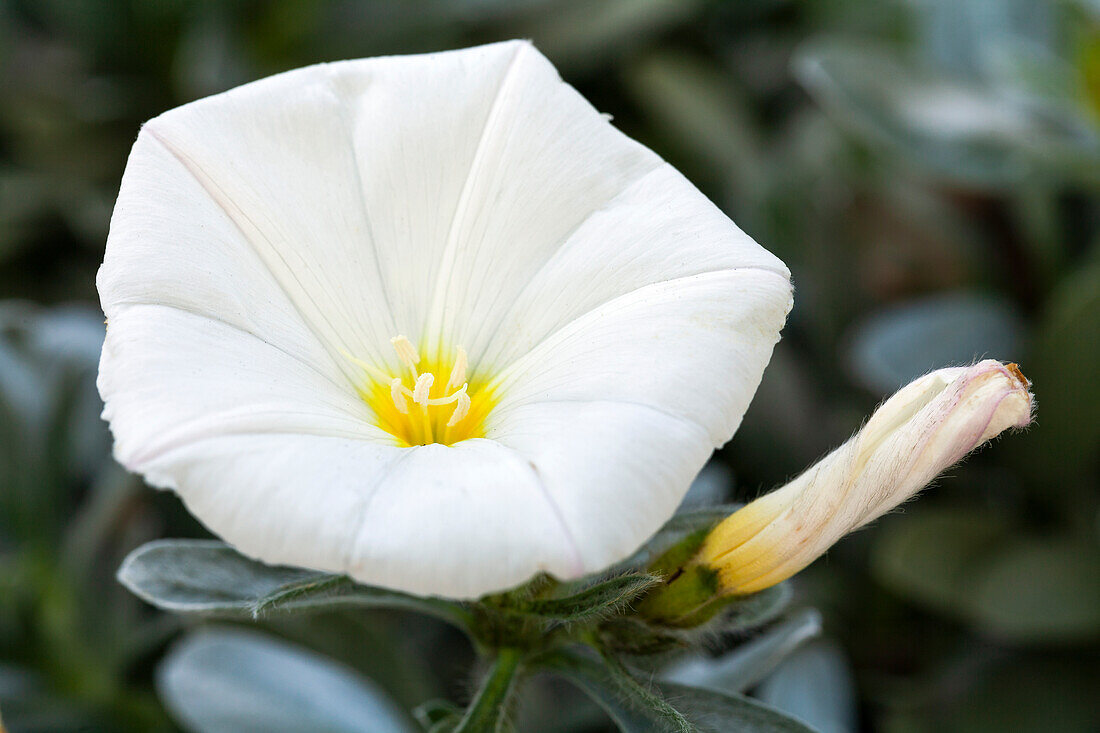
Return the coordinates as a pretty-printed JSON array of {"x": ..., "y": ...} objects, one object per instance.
[
  {"x": 417, "y": 416},
  {"x": 462, "y": 408},
  {"x": 449, "y": 399},
  {"x": 405, "y": 352},
  {"x": 458, "y": 371},
  {"x": 423, "y": 388},
  {"x": 397, "y": 391}
]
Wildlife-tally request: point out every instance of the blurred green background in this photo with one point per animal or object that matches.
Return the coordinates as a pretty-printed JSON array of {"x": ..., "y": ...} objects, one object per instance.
[{"x": 930, "y": 171}]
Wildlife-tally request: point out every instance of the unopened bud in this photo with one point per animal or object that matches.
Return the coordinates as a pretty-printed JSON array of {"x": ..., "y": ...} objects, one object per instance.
[{"x": 913, "y": 437}]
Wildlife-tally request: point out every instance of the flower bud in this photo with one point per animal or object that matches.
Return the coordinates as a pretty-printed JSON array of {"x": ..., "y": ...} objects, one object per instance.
[{"x": 914, "y": 436}]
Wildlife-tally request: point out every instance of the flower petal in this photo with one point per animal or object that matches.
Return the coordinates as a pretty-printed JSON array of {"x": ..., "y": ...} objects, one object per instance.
[
  {"x": 657, "y": 228},
  {"x": 283, "y": 463},
  {"x": 470, "y": 198},
  {"x": 694, "y": 347},
  {"x": 619, "y": 410},
  {"x": 169, "y": 377},
  {"x": 615, "y": 471},
  {"x": 283, "y": 498},
  {"x": 461, "y": 521}
]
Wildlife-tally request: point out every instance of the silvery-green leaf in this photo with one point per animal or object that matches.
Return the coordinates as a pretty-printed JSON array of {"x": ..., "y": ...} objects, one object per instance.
[
  {"x": 17, "y": 682},
  {"x": 931, "y": 556},
  {"x": 41, "y": 350},
  {"x": 815, "y": 685},
  {"x": 1090, "y": 6},
  {"x": 971, "y": 566},
  {"x": 751, "y": 662},
  {"x": 958, "y": 128},
  {"x": 638, "y": 707},
  {"x": 1037, "y": 70},
  {"x": 750, "y": 612},
  {"x": 232, "y": 681},
  {"x": 959, "y": 35},
  {"x": 1059, "y": 600},
  {"x": 895, "y": 346},
  {"x": 210, "y": 577}
]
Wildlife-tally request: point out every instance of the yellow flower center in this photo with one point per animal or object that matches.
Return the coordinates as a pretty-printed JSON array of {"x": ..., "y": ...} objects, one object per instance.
[{"x": 432, "y": 400}]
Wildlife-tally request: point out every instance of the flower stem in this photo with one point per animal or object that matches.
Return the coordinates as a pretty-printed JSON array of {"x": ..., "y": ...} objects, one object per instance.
[{"x": 487, "y": 710}]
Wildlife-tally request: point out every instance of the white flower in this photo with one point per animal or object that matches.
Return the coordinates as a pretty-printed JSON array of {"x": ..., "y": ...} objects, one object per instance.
[
  {"x": 427, "y": 320},
  {"x": 925, "y": 428}
]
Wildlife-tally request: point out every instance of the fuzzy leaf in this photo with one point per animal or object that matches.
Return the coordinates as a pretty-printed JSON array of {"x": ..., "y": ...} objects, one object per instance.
[
  {"x": 895, "y": 346},
  {"x": 210, "y": 577},
  {"x": 746, "y": 666},
  {"x": 815, "y": 685},
  {"x": 666, "y": 707},
  {"x": 230, "y": 680}
]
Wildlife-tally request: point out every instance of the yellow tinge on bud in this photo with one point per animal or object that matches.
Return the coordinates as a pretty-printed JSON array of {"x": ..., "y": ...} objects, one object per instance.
[{"x": 914, "y": 436}]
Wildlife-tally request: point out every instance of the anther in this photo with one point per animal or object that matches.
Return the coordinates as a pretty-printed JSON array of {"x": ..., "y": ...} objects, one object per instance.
[
  {"x": 458, "y": 371},
  {"x": 423, "y": 388},
  {"x": 405, "y": 351},
  {"x": 462, "y": 408},
  {"x": 398, "y": 394}
]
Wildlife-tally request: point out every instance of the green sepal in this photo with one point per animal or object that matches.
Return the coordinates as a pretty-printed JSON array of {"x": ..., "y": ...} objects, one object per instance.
[
  {"x": 635, "y": 635},
  {"x": 740, "y": 612},
  {"x": 579, "y": 601},
  {"x": 672, "y": 561},
  {"x": 674, "y": 532},
  {"x": 690, "y": 598}
]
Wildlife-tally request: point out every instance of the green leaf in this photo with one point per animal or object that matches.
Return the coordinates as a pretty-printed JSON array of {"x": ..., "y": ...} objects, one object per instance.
[
  {"x": 932, "y": 556},
  {"x": 959, "y": 128},
  {"x": 1063, "y": 367},
  {"x": 210, "y": 577},
  {"x": 231, "y": 680},
  {"x": 1040, "y": 590},
  {"x": 666, "y": 707},
  {"x": 972, "y": 566},
  {"x": 751, "y": 662},
  {"x": 1026, "y": 693}
]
